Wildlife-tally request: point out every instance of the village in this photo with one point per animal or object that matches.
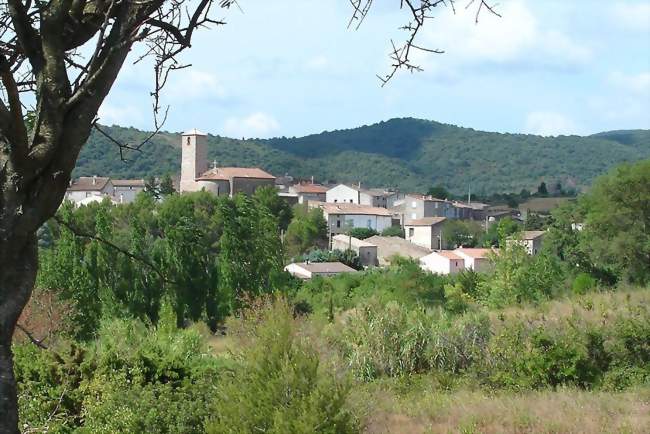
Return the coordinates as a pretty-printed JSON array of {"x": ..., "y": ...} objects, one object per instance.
[{"x": 345, "y": 207}]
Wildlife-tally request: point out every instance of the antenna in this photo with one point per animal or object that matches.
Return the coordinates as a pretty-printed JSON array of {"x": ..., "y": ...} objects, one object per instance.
[{"x": 469, "y": 194}]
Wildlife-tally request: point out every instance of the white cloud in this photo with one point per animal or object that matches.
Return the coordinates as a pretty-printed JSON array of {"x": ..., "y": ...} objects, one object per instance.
[
  {"x": 634, "y": 16},
  {"x": 637, "y": 83},
  {"x": 119, "y": 115},
  {"x": 254, "y": 125},
  {"x": 193, "y": 84},
  {"x": 546, "y": 123},
  {"x": 317, "y": 62},
  {"x": 515, "y": 38}
]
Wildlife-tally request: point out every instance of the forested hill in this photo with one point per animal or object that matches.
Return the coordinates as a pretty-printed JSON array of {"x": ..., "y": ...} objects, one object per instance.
[{"x": 408, "y": 153}]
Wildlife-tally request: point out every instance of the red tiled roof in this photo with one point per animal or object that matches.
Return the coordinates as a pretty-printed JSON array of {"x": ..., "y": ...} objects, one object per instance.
[
  {"x": 128, "y": 182},
  {"x": 352, "y": 208},
  {"x": 310, "y": 188},
  {"x": 85, "y": 183},
  {"x": 475, "y": 253},
  {"x": 426, "y": 221},
  {"x": 226, "y": 173},
  {"x": 448, "y": 254}
]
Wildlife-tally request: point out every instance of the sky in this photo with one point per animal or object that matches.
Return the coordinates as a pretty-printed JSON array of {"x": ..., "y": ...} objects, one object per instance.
[{"x": 293, "y": 67}]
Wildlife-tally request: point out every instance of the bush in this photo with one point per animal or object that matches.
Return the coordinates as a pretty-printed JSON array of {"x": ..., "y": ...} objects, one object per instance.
[
  {"x": 279, "y": 385},
  {"x": 583, "y": 283},
  {"x": 393, "y": 231},
  {"x": 363, "y": 233}
]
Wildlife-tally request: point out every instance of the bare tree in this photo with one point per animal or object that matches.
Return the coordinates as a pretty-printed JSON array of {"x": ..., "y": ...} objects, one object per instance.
[
  {"x": 420, "y": 11},
  {"x": 64, "y": 56}
]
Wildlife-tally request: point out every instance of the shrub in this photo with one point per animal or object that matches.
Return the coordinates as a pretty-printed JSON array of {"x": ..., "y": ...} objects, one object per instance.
[
  {"x": 583, "y": 283},
  {"x": 279, "y": 385},
  {"x": 363, "y": 233},
  {"x": 393, "y": 231}
]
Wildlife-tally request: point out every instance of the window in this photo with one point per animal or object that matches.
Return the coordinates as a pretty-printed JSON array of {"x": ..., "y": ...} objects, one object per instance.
[
  {"x": 350, "y": 200},
  {"x": 338, "y": 223},
  {"x": 336, "y": 200},
  {"x": 414, "y": 216},
  {"x": 414, "y": 204},
  {"x": 411, "y": 232}
]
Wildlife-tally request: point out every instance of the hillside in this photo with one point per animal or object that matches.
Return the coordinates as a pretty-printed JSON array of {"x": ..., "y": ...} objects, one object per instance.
[{"x": 408, "y": 153}]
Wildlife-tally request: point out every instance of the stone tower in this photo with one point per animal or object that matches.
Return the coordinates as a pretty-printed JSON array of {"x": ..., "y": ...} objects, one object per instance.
[{"x": 194, "y": 154}]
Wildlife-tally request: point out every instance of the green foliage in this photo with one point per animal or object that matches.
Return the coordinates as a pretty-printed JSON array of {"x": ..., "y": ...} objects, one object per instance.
[
  {"x": 411, "y": 154},
  {"x": 362, "y": 233},
  {"x": 279, "y": 385},
  {"x": 393, "y": 231},
  {"x": 439, "y": 192},
  {"x": 132, "y": 379},
  {"x": 582, "y": 283},
  {"x": 404, "y": 282},
  {"x": 461, "y": 233},
  {"x": 268, "y": 197},
  {"x": 308, "y": 229},
  {"x": 347, "y": 257},
  {"x": 200, "y": 252},
  {"x": 518, "y": 277}
]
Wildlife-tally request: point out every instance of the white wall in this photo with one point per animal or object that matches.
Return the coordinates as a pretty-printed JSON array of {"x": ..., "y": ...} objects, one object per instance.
[
  {"x": 297, "y": 271},
  {"x": 436, "y": 263},
  {"x": 377, "y": 223},
  {"x": 342, "y": 194}
]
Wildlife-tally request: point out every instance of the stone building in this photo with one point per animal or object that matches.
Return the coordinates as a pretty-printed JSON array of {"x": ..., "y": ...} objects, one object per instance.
[
  {"x": 196, "y": 176},
  {"x": 87, "y": 186},
  {"x": 425, "y": 232}
]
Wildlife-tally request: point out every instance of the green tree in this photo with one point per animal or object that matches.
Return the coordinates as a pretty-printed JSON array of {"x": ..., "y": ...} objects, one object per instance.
[
  {"x": 362, "y": 233},
  {"x": 542, "y": 190},
  {"x": 166, "y": 186},
  {"x": 617, "y": 218},
  {"x": 307, "y": 230},
  {"x": 438, "y": 191},
  {"x": 393, "y": 231},
  {"x": 268, "y": 197}
]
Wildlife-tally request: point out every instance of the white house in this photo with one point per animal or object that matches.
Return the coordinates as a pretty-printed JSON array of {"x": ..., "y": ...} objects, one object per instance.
[
  {"x": 307, "y": 270},
  {"x": 442, "y": 262},
  {"x": 531, "y": 240},
  {"x": 367, "y": 251},
  {"x": 87, "y": 186},
  {"x": 375, "y": 197},
  {"x": 307, "y": 192},
  {"x": 476, "y": 259},
  {"x": 125, "y": 190},
  {"x": 425, "y": 232},
  {"x": 341, "y": 217},
  {"x": 418, "y": 206}
]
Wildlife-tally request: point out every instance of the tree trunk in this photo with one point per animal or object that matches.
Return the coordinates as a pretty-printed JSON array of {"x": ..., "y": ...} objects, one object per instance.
[{"x": 18, "y": 265}]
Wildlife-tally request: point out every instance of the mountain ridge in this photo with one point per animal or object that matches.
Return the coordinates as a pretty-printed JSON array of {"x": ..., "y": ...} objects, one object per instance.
[{"x": 408, "y": 153}]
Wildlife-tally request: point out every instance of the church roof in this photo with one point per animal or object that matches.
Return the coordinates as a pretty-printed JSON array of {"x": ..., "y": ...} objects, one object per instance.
[
  {"x": 194, "y": 132},
  {"x": 226, "y": 173}
]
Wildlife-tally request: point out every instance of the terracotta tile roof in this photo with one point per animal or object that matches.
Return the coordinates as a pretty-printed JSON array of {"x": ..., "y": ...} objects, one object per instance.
[
  {"x": 447, "y": 254},
  {"x": 426, "y": 221},
  {"x": 128, "y": 182},
  {"x": 354, "y": 241},
  {"x": 531, "y": 235},
  {"x": 390, "y": 246},
  {"x": 226, "y": 173},
  {"x": 476, "y": 253},
  {"x": 89, "y": 183},
  {"x": 310, "y": 188},
  {"x": 352, "y": 208},
  {"x": 326, "y": 267}
]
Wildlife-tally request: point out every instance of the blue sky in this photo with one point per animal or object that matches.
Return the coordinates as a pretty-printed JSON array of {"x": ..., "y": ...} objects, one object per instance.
[{"x": 292, "y": 67}]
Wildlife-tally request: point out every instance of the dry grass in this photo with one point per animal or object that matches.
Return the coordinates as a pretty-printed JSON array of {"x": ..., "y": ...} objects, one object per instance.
[
  {"x": 562, "y": 411},
  {"x": 591, "y": 308}
]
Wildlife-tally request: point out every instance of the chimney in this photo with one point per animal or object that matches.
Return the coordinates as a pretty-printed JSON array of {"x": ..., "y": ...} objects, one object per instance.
[
  {"x": 94, "y": 179},
  {"x": 214, "y": 164},
  {"x": 312, "y": 179}
]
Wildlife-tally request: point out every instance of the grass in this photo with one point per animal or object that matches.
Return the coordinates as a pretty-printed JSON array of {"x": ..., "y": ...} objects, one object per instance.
[{"x": 388, "y": 408}]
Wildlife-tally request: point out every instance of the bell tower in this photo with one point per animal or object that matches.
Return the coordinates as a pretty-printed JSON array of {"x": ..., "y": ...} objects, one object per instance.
[{"x": 194, "y": 155}]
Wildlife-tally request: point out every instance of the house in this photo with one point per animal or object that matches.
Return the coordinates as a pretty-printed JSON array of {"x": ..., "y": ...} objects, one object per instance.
[
  {"x": 307, "y": 270},
  {"x": 425, "y": 232},
  {"x": 307, "y": 192},
  {"x": 367, "y": 251},
  {"x": 476, "y": 259},
  {"x": 87, "y": 186},
  {"x": 531, "y": 240},
  {"x": 388, "y": 247},
  {"x": 442, "y": 262},
  {"x": 375, "y": 197},
  {"x": 418, "y": 206},
  {"x": 125, "y": 190},
  {"x": 341, "y": 217},
  {"x": 195, "y": 175}
]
